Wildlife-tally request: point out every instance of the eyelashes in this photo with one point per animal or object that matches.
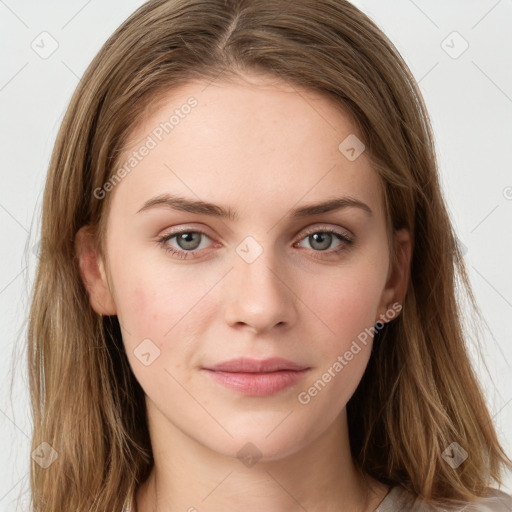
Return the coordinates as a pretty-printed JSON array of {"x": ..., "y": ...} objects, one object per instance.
[{"x": 332, "y": 235}]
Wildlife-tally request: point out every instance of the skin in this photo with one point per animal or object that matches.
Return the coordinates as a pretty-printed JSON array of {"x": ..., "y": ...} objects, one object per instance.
[{"x": 261, "y": 147}]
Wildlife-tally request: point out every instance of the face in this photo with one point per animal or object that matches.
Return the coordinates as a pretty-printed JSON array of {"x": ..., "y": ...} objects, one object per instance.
[{"x": 194, "y": 289}]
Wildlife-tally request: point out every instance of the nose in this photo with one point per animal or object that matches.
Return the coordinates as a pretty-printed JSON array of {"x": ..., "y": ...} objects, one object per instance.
[{"x": 260, "y": 294}]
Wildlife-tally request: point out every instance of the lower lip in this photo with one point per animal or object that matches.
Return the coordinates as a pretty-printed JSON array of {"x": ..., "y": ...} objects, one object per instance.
[{"x": 258, "y": 384}]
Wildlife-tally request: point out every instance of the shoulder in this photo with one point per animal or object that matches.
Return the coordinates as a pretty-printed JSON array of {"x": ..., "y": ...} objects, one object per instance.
[
  {"x": 400, "y": 499},
  {"x": 494, "y": 501}
]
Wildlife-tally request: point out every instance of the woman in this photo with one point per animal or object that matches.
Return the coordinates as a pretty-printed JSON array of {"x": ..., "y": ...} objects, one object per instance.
[{"x": 252, "y": 277}]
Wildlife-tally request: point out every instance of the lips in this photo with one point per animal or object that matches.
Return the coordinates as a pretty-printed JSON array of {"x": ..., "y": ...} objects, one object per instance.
[
  {"x": 247, "y": 365},
  {"x": 257, "y": 377}
]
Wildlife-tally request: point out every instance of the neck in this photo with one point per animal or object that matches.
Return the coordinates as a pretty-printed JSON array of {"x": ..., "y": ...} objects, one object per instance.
[{"x": 321, "y": 476}]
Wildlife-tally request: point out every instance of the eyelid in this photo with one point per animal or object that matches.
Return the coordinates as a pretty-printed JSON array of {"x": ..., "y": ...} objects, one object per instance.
[
  {"x": 343, "y": 233},
  {"x": 308, "y": 231},
  {"x": 328, "y": 228},
  {"x": 187, "y": 229}
]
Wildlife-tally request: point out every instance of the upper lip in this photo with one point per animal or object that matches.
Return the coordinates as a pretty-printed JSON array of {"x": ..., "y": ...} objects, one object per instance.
[{"x": 248, "y": 365}]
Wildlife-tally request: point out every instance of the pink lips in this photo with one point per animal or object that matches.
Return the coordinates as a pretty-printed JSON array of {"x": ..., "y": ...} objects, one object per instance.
[{"x": 257, "y": 377}]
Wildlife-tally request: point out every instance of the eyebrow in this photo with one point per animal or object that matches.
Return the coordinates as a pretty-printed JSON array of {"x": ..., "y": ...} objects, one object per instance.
[{"x": 184, "y": 204}]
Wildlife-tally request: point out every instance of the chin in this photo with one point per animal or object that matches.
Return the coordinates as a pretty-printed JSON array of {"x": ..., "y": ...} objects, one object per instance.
[{"x": 262, "y": 443}]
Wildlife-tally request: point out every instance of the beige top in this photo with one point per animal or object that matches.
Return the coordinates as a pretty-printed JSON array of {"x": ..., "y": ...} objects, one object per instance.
[{"x": 399, "y": 499}]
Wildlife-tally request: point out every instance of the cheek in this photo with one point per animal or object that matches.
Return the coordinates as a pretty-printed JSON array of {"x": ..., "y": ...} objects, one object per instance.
[
  {"x": 346, "y": 302},
  {"x": 349, "y": 307},
  {"x": 138, "y": 301},
  {"x": 167, "y": 306},
  {"x": 141, "y": 301},
  {"x": 154, "y": 330},
  {"x": 347, "y": 312}
]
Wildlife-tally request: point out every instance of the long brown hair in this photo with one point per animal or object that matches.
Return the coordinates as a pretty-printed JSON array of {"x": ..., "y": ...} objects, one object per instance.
[{"x": 412, "y": 402}]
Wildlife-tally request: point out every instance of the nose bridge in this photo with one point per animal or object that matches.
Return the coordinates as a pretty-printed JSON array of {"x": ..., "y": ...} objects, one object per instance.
[{"x": 260, "y": 297}]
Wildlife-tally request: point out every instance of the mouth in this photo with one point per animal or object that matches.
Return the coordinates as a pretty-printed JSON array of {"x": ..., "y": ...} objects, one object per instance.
[{"x": 257, "y": 377}]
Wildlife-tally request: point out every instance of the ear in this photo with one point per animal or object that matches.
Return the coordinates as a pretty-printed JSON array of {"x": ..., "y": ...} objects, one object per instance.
[
  {"x": 398, "y": 275},
  {"x": 92, "y": 272}
]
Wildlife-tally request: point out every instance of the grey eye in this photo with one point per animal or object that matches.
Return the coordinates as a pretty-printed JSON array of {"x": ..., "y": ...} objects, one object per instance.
[
  {"x": 320, "y": 241},
  {"x": 189, "y": 240}
]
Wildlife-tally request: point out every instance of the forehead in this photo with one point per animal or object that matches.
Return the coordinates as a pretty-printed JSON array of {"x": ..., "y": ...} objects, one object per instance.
[{"x": 255, "y": 140}]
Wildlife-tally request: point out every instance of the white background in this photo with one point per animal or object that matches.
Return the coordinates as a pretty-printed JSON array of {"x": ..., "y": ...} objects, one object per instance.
[{"x": 469, "y": 99}]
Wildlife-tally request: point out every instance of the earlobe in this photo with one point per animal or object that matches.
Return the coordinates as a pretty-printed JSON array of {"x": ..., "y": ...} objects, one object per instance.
[
  {"x": 92, "y": 272},
  {"x": 398, "y": 278}
]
